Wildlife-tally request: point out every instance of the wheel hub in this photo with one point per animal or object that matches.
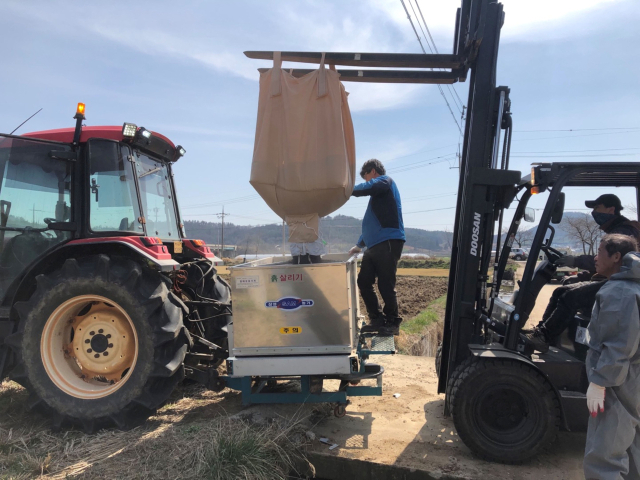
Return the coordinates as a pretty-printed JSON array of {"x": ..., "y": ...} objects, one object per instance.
[
  {"x": 103, "y": 342},
  {"x": 89, "y": 346},
  {"x": 99, "y": 343},
  {"x": 503, "y": 409}
]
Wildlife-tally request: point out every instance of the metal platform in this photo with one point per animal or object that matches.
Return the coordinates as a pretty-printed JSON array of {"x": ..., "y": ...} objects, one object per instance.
[{"x": 376, "y": 344}]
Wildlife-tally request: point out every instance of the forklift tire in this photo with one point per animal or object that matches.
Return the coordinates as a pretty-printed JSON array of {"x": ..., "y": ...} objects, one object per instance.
[
  {"x": 438, "y": 359},
  {"x": 100, "y": 342},
  {"x": 504, "y": 410}
]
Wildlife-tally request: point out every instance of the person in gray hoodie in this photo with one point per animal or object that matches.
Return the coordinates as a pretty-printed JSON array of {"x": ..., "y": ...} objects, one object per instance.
[{"x": 612, "y": 449}]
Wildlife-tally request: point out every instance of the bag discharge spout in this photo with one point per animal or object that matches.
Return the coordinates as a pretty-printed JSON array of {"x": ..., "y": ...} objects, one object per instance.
[{"x": 304, "y": 152}]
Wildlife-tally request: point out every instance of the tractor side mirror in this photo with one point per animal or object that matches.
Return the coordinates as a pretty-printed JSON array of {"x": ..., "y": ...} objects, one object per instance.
[
  {"x": 529, "y": 215},
  {"x": 558, "y": 210}
]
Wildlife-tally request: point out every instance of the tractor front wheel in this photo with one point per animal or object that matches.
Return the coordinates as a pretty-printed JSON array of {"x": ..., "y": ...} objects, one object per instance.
[
  {"x": 100, "y": 342},
  {"x": 503, "y": 409}
]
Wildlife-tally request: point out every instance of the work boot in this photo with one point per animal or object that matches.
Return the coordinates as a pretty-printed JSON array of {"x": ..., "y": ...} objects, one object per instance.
[
  {"x": 391, "y": 327},
  {"x": 374, "y": 325},
  {"x": 538, "y": 340}
]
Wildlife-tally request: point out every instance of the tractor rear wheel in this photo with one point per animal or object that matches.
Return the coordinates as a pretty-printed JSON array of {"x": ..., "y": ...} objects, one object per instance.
[
  {"x": 100, "y": 342},
  {"x": 503, "y": 409}
]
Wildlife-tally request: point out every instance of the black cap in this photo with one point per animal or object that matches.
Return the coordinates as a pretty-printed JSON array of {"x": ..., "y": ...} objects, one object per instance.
[{"x": 608, "y": 200}]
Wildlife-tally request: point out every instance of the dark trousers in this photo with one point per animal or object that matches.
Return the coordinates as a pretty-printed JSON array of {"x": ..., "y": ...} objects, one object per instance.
[
  {"x": 306, "y": 259},
  {"x": 380, "y": 261},
  {"x": 565, "y": 303}
]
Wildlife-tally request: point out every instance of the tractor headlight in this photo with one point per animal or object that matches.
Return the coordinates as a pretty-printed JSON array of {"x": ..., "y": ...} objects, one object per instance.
[
  {"x": 145, "y": 133},
  {"x": 129, "y": 130},
  {"x": 181, "y": 150}
]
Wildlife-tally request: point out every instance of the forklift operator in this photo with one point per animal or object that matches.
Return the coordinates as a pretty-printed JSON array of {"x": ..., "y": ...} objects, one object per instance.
[
  {"x": 383, "y": 236},
  {"x": 606, "y": 213},
  {"x": 568, "y": 299}
]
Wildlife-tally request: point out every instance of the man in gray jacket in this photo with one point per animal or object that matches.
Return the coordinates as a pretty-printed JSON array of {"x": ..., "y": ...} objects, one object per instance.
[
  {"x": 568, "y": 299},
  {"x": 613, "y": 365}
]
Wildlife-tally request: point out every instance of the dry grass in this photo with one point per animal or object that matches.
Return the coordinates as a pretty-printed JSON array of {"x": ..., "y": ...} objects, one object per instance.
[{"x": 199, "y": 435}]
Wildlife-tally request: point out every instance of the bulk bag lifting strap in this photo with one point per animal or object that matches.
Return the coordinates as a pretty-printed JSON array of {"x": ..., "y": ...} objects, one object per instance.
[{"x": 304, "y": 153}]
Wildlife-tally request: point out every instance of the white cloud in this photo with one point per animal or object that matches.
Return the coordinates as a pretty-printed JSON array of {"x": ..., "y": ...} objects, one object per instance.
[
  {"x": 380, "y": 96},
  {"x": 217, "y": 42}
]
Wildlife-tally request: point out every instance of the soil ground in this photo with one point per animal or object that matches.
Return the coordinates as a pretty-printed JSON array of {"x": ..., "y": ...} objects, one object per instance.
[
  {"x": 409, "y": 430},
  {"x": 415, "y": 293}
]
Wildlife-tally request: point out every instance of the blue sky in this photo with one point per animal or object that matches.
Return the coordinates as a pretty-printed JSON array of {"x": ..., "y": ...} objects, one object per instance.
[{"x": 178, "y": 68}]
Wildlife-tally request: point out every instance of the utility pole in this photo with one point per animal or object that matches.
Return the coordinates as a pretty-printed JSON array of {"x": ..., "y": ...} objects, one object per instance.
[{"x": 222, "y": 215}]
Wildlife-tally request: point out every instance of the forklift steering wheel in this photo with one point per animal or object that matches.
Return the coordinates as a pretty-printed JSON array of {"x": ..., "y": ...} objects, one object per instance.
[{"x": 552, "y": 254}]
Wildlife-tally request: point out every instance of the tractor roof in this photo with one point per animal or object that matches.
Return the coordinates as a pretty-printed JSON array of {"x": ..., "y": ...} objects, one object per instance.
[{"x": 66, "y": 134}]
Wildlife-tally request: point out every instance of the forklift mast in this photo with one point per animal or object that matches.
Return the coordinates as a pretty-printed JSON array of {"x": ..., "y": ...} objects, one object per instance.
[{"x": 486, "y": 186}]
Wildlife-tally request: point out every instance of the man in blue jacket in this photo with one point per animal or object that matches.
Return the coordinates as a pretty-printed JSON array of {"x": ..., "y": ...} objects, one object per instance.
[{"x": 383, "y": 236}]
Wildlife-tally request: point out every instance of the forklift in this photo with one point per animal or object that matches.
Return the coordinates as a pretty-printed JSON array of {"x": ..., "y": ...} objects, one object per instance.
[{"x": 507, "y": 403}]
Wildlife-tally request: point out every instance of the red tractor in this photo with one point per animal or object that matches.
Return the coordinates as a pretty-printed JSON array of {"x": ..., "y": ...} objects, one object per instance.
[{"x": 105, "y": 306}]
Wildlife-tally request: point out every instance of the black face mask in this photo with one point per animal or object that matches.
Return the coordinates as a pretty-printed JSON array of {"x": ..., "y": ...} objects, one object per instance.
[{"x": 602, "y": 218}]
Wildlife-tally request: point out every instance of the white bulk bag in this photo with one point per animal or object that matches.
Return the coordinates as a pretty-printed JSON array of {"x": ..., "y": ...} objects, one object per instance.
[{"x": 304, "y": 153}]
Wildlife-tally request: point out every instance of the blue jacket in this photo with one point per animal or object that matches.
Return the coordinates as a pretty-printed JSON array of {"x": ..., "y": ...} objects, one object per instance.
[{"x": 383, "y": 219}]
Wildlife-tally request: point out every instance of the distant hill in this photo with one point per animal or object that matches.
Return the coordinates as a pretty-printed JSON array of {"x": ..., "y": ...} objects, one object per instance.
[
  {"x": 561, "y": 238},
  {"x": 339, "y": 232}
]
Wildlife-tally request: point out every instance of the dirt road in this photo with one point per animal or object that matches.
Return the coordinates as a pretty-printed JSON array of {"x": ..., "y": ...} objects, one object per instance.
[{"x": 411, "y": 431}]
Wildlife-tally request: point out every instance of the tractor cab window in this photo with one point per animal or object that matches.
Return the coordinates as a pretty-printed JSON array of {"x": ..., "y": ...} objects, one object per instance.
[
  {"x": 112, "y": 189},
  {"x": 34, "y": 192},
  {"x": 156, "y": 197}
]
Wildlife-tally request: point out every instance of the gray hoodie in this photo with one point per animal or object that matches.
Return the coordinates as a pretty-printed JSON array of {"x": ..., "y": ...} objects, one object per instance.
[{"x": 614, "y": 331}]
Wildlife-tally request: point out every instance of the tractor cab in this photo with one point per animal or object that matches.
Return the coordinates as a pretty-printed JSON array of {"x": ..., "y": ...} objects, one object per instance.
[
  {"x": 35, "y": 203},
  {"x": 89, "y": 185}
]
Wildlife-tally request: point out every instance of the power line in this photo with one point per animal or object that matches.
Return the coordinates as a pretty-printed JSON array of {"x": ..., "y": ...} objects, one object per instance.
[
  {"x": 425, "y": 52},
  {"x": 450, "y": 87},
  {"x": 458, "y": 106},
  {"x": 413, "y": 166},
  {"x": 580, "y": 151},
  {"x": 432, "y": 210},
  {"x": 222, "y": 215},
  {"x": 578, "y": 156},
  {"x": 244, "y": 198},
  {"x": 581, "y": 129},
  {"x": 572, "y": 136},
  {"x": 413, "y": 199},
  {"x": 418, "y": 152}
]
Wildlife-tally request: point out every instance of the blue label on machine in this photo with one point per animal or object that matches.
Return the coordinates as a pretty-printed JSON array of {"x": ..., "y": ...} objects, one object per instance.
[{"x": 289, "y": 303}]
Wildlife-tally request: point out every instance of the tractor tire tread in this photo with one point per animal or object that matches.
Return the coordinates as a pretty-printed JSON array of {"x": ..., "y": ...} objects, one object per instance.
[{"x": 163, "y": 312}]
